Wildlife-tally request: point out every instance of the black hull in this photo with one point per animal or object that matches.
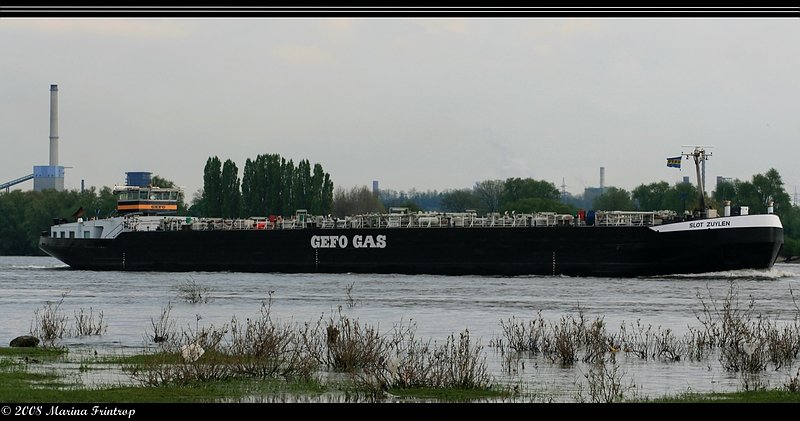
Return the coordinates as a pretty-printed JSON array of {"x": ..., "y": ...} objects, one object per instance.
[{"x": 572, "y": 251}]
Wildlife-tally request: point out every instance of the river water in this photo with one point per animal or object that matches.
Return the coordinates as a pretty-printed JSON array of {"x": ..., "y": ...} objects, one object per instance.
[{"x": 438, "y": 305}]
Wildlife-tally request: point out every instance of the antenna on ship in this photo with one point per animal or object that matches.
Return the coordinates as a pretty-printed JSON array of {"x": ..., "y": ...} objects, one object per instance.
[{"x": 700, "y": 156}]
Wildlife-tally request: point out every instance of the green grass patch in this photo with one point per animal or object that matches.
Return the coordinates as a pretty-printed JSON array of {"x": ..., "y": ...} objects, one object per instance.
[
  {"x": 35, "y": 352},
  {"x": 752, "y": 396},
  {"x": 14, "y": 358},
  {"x": 22, "y": 386},
  {"x": 8, "y": 363},
  {"x": 156, "y": 358},
  {"x": 19, "y": 384},
  {"x": 167, "y": 358},
  {"x": 450, "y": 395}
]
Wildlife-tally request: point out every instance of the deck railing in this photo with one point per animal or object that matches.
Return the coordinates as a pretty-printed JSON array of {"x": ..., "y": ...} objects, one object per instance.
[{"x": 421, "y": 220}]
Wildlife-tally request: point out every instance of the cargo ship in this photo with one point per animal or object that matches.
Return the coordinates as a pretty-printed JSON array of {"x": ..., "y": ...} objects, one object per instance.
[{"x": 147, "y": 235}]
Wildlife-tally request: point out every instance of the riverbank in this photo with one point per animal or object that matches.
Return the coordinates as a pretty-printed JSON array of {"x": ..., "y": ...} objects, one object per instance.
[
  {"x": 542, "y": 339},
  {"x": 39, "y": 375},
  {"x": 56, "y": 375},
  {"x": 342, "y": 359}
]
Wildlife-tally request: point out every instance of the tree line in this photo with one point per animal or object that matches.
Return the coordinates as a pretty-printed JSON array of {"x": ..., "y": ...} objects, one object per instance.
[
  {"x": 272, "y": 185},
  {"x": 512, "y": 194},
  {"x": 528, "y": 195},
  {"x": 24, "y": 215}
]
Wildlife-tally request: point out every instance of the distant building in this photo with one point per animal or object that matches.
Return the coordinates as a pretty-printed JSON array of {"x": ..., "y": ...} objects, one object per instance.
[
  {"x": 590, "y": 194},
  {"x": 375, "y": 189},
  {"x": 51, "y": 176},
  {"x": 602, "y": 179},
  {"x": 46, "y": 177},
  {"x": 586, "y": 200},
  {"x": 686, "y": 179}
]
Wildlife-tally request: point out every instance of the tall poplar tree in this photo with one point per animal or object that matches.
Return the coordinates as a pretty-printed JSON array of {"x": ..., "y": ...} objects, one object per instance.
[{"x": 212, "y": 187}]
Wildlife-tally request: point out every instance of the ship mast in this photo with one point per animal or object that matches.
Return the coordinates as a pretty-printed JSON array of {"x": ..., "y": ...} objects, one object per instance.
[{"x": 700, "y": 156}]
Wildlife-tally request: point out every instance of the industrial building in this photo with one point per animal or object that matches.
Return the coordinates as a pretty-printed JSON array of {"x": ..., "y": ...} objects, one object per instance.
[{"x": 49, "y": 176}]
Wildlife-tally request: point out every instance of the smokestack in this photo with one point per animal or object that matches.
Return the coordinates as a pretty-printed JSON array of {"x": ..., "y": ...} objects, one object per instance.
[
  {"x": 53, "y": 125},
  {"x": 602, "y": 179}
]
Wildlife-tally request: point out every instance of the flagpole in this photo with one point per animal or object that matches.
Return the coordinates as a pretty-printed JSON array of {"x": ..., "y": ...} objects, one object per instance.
[{"x": 700, "y": 156}]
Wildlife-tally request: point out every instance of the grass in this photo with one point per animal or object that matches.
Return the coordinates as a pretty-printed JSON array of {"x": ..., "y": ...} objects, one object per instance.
[
  {"x": 450, "y": 395},
  {"x": 159, "y": 357},
  {"x": 20, "y": 383},
  {"x": 752, "y": 396},
  {"x": 339, "y": 358},
  {"x": 163, "y": 358},
  {"x": 36, "y": 352},
  {"x": 20, "y": 386}
]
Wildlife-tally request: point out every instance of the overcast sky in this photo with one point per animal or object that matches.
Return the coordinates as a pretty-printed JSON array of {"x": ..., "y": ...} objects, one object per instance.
[{"x": 414, "y": 103}]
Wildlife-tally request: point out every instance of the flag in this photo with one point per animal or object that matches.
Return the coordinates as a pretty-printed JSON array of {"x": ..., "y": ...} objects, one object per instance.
[{"x": 674, "y": 162}]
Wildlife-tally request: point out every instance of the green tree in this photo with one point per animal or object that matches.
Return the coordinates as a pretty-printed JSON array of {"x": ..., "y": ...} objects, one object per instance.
[
  {"x": 230, "y": 193},
  {"x": 461, "y": 200},
  {"x": 274, "y": 186},
  {"x": 614, "y": 198},
  {"x": 490, "y": 193},
  {"x": 410, "y": 205},
  {"x": 302, "y": 185},
  {"x": 769, "y": 188},
  {"x": 197, "y": 207},
  {"x": 158, "y": 181},
  {"x": 356, "y": 201},
  {"x": 327, "y": 194},
  {"x": 791, "y": 232},
  {"x": 537, "y": 204},
  {"x": 681, "y": 197},
  {"x": 25, "y": 215},
  {"x": 316, "y": 189},
  {"x": 212, "y": 187},
  {"x": 515, "y": 189},
  {"x": 13, "y": 239},
  {"x": 249, "y": 207},
  {"x": 650, "y": 197},
  {"x": 756, "y": 194},
  {"x": 287, "y": 192},
  {"x": 529, "y": 196},
  {"x": 317, "y": 195},
  {"x": 726, "y": 190},
  {"x": 256, "y": 179},
  {"x": 106, "y": 203},
  {"x": 273, "y": 183},
  {"x": 662, "y": 196}
]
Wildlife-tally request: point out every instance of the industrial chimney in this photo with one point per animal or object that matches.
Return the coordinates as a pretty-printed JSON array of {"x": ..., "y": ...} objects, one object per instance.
[
  {"x": 53, "y": 125},
  {"x": 50, "y": 176},
  {"x": 602, "y": 179}
]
